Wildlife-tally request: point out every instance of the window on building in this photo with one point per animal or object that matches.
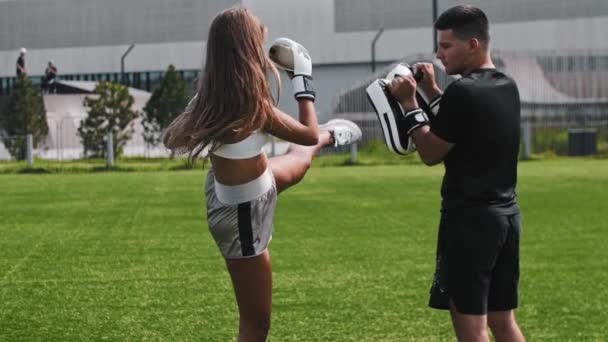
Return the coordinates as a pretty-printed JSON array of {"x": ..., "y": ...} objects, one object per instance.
[{"x": 155, "y": 79}]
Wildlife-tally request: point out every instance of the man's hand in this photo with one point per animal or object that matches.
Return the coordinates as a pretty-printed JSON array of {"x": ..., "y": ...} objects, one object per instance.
[
  {"x": 403, "y": 89},
  {"x": 428, "y": 84}
]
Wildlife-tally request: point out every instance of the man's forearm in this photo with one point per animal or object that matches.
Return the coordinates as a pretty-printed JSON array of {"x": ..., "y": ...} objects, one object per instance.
[
  {"x": 433, "y": 93},
  {"x": 409, "y": 104}
]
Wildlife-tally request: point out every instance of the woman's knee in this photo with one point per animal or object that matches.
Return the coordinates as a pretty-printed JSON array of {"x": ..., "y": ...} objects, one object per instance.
[
  {"x": 295, "y": 175},
  {"x": 303, "y": 168}
]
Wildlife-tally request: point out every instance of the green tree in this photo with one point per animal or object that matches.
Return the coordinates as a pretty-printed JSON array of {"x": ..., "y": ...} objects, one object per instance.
[
  {"x": 166, "y": 102},
  {"x": 24, "y": 114},
  {"x": 109, "y": 111}
]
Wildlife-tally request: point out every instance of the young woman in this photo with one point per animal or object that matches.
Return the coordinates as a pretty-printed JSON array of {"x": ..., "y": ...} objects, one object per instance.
[{"x": 231, "y": 115}]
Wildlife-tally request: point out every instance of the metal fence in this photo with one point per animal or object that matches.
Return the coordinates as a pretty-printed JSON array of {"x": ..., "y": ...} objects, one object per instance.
[{"x": 64, "y": 143}]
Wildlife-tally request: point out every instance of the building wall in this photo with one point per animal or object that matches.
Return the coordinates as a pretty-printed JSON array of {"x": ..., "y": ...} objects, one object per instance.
[
  {"x": 89, "y": 36},
  {"x": 44, "y": 24},
  {"x": 339, "y": 33},
  {"x": 328, "y": 79},
  {"x": 365, "y": 15}
]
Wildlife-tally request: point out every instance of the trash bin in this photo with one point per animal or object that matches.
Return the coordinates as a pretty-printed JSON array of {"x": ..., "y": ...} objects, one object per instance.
[{"x": 582, "y": 141}]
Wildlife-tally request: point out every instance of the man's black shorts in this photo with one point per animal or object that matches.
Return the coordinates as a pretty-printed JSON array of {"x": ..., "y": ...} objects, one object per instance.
[{"x": 477, "y": 264}]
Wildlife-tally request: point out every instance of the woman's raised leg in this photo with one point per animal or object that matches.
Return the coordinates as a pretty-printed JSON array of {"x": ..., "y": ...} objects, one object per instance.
[{"x": 290, "y": 168}]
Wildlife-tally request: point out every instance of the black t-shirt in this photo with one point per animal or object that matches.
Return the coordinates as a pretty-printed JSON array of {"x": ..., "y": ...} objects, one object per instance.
[
  {"x": 21, "y": 62},
  {"x": 480, "y": 115}
]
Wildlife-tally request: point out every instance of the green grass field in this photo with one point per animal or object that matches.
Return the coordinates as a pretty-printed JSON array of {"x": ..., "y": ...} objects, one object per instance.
[{"x": 127, "y": 256}]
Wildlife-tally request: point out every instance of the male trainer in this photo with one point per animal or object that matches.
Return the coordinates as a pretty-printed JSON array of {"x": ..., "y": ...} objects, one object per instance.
[{"x": 475, "y": 133}]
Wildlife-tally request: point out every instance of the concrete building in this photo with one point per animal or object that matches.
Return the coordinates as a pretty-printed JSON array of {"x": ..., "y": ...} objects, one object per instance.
[{"x": 86, "y": 38}]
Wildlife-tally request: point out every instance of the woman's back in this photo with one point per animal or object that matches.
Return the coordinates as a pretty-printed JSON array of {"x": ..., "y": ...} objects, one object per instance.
[{"x": 237, "y": 159}]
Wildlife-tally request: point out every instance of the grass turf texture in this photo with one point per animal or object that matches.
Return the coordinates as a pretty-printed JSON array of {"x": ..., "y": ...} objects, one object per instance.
[{"x": 127, "y": 256}]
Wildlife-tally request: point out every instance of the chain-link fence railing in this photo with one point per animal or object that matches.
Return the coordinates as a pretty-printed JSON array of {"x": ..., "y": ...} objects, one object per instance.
[{"x": 64, "y": 143}]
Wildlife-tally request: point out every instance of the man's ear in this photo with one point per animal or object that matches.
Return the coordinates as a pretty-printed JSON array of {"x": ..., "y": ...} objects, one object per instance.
[{"x": 474, "y": 45}]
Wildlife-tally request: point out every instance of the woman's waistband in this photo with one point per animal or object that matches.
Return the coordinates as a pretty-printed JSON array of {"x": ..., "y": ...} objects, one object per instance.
[{"x": 234, "y": 194}]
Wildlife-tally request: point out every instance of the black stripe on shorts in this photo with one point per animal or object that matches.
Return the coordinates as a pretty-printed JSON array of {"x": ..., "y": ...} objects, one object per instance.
[{"x": 245, "y": 230}]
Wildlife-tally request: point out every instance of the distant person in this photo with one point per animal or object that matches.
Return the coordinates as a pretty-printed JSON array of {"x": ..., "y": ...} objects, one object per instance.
[
  {"x": 21, "y": 70},
  {"x": 50, "y": 77}
]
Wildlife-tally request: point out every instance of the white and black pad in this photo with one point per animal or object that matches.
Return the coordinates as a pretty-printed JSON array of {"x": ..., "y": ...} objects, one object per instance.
[{"x": 390, "y": 115}]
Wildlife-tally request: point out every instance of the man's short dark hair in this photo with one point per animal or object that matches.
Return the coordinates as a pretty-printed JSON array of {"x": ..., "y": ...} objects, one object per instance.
[{"x": 466, "y": 21}]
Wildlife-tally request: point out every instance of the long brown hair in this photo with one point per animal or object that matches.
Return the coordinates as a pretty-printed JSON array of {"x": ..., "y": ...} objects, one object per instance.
[{"x": 233, "y": 93}]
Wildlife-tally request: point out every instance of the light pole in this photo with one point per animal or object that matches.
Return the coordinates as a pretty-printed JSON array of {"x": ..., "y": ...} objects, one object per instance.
[
  {"x": 122, "y": 64},
  {"x": 434, "y": 30},
  {"x": 378, "y": 34}
]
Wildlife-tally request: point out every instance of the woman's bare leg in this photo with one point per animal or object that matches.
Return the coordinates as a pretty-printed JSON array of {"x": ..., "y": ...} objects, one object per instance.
[
  {"x": 290, "y": 168},
  {"x": 252, "y": 277},
  {"x": 252, "y": 281}
]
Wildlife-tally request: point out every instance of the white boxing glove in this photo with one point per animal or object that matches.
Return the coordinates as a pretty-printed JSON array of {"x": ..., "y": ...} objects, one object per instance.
[{"x": 295, "y": 60}]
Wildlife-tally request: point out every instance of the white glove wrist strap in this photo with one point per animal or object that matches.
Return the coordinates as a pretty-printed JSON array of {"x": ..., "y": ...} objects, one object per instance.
[{"x": 303, "y": 87}]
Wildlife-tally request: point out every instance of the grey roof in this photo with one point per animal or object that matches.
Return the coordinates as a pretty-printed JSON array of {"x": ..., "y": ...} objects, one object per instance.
[
  {"x": 534, "y": 88},
  {"x": 89, "y": 87}
]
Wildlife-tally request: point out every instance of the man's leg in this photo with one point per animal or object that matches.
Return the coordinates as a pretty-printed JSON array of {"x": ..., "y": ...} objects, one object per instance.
[
  {"x": 504, "y": 327},
  {"x": 469, "y": 328},
  {"x": 471, "y": 247},
  {"x": 504, "y": 290}
]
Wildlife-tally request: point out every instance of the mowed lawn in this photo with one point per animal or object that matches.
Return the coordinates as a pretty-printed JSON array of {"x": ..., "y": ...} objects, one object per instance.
[{"x": 127, "y": 256}]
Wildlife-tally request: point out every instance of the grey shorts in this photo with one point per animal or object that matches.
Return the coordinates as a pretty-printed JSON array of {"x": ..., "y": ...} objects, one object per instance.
[{"x": 241, "y": 224}]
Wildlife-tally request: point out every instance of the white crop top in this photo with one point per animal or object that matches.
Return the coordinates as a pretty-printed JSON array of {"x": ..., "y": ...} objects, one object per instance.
[{"x": 249, "y": 147}]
